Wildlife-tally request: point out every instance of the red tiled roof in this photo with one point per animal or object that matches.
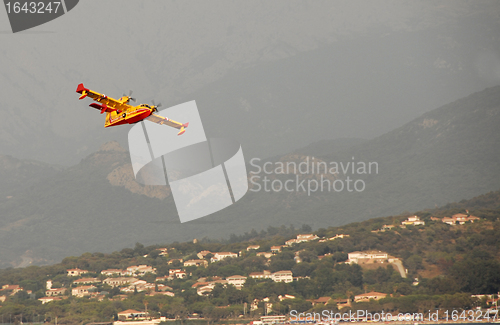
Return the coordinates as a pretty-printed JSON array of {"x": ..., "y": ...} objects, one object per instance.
[
  {"x": 131, "y": 311},
  {"x": 322, "y": 299}
]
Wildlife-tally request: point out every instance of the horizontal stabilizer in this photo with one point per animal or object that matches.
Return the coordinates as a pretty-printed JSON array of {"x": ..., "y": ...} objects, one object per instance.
[
  {"x": 183, "y": 128},
  {"x": 102, "y": 107},
  {"x": 82, "y": 90}
]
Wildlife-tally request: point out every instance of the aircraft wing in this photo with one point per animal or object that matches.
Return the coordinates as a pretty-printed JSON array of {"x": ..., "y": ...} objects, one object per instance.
[
  {"x": 107, "y": 103},
  {"x": 165, "y": 120}
]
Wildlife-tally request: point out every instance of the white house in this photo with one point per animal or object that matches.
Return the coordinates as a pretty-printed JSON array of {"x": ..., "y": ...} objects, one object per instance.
[
  {"x": 76, "y": 272},
  {"x": 180, "y": 274},
  {"x": 83, "y": 291},
  {"x": 282, "y": 276},
  {"x": 131, "y": 314},
  {"x": 139, "y": 270},
  {"x": 219, "y": 256},
  {"x": 266, "y": 274},
  {"x": 283, "y": 297},
  {"x": 370, "y": 295},
  {"x": 111, "y": 272},
  {"x": 414, "y": 220},
  {"x": 55, "y": 292},
  {"x": 200, "y": 262},
  {"x": 301, "y": 239},
  {"x": 459, "y": 218},
  {"x": 237, "y": 280},
  {"x": 306, "y": 237},
  {"x": 118, "y": 282},
  {"x": 86, "y": 281},
  {"x": 173, "y": 271},
  {"x": 356, "y": 257},
  {"x": 207, "y": 287}
]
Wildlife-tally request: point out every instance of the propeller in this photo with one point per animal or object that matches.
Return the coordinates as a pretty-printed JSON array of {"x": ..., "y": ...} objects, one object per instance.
[
  {"x": 155, "y": 106},
  {"x": 129, "y": 96}
]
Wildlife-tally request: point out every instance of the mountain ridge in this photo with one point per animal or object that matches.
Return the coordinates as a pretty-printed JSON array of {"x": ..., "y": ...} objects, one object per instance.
[{"x": 422, "y": 164}]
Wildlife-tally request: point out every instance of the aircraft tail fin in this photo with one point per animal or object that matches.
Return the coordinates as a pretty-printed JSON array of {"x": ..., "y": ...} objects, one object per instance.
[{"x": 82, "y": 90}]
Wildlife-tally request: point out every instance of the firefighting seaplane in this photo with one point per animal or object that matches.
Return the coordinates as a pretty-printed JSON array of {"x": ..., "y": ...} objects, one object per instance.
[{"x": 118, "y": 111}]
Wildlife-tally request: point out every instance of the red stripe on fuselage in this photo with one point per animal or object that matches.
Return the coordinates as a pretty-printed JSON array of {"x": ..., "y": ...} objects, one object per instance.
[{"x": 131, "y": 118}]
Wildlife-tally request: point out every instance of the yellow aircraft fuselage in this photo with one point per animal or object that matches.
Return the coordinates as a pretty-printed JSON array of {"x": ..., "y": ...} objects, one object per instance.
[
  {"x": 118, "y": 111},
  {"x": 132, "y": 115}
]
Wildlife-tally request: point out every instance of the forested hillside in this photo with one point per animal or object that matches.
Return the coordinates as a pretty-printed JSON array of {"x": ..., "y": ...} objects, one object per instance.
[
  {"x": 445, "y": 155},
  {"x": 445, "y": 264}
]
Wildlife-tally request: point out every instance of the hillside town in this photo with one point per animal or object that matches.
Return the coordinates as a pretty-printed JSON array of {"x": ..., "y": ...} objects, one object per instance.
[{"x": 292, "y": 266}]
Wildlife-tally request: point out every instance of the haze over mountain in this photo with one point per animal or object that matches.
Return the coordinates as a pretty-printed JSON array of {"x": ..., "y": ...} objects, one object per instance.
[
  {"x": 274, "y": 76},
  {"x": 448, "y": 154}
]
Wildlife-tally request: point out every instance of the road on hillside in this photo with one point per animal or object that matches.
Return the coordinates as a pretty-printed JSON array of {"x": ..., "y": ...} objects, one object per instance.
[
  {"x": 401, "y": 269},
  {"x": 26, "y": 261}
]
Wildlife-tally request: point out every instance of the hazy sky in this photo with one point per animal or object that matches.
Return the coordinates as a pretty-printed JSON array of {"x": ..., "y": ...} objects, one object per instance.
[{"x": 385, "y": 62}]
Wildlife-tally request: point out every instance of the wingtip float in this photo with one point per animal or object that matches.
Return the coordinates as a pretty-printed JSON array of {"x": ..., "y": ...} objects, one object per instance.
[{"x": 118, "y": 111}]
